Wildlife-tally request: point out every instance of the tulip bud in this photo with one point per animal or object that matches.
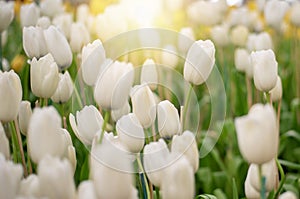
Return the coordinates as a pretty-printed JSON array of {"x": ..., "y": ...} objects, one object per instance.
[
  {"x": 86, "y": 189},
  {"x": 264, "y": 69},
  {"x": 143, "y": 104},
  {"x": 82, "y": 13},
  {"x": 10, "y": 95},
  {"x": 219, "y": 35},
  {"x": 178, "y": 180},
  {"x": 56, "y": 178},
  {"x": 295, "y": 14},
  {"x": 288, "y": 195},
  {"x": 44, "y": 134},
  {"x": 44, "y": 76},
  {"x": 168, "y": 119},
  {"x": 250, "y": 191},
  {"x": 11, "y": 175},
  {"x": 64, "y": 89},
  {"x": 93, "y": 57},
  {"x": 186, "y": 144},
  {"x": 274, "y": 12},
  {"x": 131, "y": 132},
  {"x": 169, "y": 56},
  {"x": 155, "y": 161},
  {"x": 242, "y": 61},
  {"x": 25, "y": 113},
  {"x": 239, "y": 35},
  {"x": 43, "y": 22},
  {"x": 30, "y": 186},
  {"x": 185, "y": 38},
  {"x": 118, "y": 113},
  {"x": 261, "y": 41},
  {"x": 89, "y": 121},
  {"x": 29, "y": 14},
  {"x": 4, "y": 143},
  {"x": 34, "y": 43},
  {"x": 6, "y": 14},
  {"x": 276, "y": 92},
  {"x": 58, "y": 46},
  {"x": 64, "y": 23},
  {"x": 79, "y": 37},
  {"x": 149, "y": 74},
  {"x": 257, "y": 132},
  {"x": 51, "y": 8},
  {"x": 113, "y": 85},
  {"x": 199, "y": 62}
]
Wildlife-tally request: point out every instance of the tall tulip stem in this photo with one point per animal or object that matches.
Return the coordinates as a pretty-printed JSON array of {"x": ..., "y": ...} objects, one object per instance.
[
  {"x": 1, "y": 67},
  {"x": 140, "y": 165},
  {"x": 262, "y": 183},
  {"x": 106, "y": 118},
  {"x": 249, "y": 92},
  {"x": 282, "y": 178},
  {"x": 186, "y": 106}
]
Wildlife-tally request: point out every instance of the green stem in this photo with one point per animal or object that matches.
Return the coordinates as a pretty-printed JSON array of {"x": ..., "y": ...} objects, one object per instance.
[
  {"x": 26, "y": 82},
  {"x": 106, "y": 118},
  {"x": 78, "y": 97},
  {"x": 262, "y": 183},
  {"x": 282, "y": 178},
  {"x": 28, "y": 159},
  {"x": 14, "y": 144},
  {"x": 142, "y": 170},
  {"x": 186, "y": 106},
  {"x": 157, "y": 193},
  {"x": 45, "y": 102}
]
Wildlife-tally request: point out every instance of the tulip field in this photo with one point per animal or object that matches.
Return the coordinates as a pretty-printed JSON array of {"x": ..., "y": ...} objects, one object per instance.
[{"x": 150, "y": 99}]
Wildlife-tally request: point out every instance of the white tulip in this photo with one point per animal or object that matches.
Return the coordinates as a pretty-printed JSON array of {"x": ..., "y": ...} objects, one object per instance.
[
  {"x": 86, "y": 189},
  {"x": 274, "y": 12},
  {"x": 167, "y": 119},
  {"x": 295, "y": 14},
  {"x": 199, "y": 62},
  {"x": 155, "y": 161},
  {"x": 186, "y": 145},
  {"x": 24, "y": 116},
  {"x": 10, "y": 95},
  {"x": 56, "y": 178},
  {"x": 131, "y": 132},
  {"x": 261, "y": 41},
  {"x": 4, "y": 143},
  {"x": 45, "y": 135},
  {"x": 51, "y": 8},
  {"x": 30, "y": 186},
  {"x": 219, "y": 35},
  {"x": 250, "y": 191},
  {"x": 29, "y": 14},
  {"x": 149, "y": 73},
  {"x": 169, "y": 56},
  {"x": 89, "y": 121},
  {"x": 113, "y": 85},
  {"x": 11, "y": 175},
  {"x": 288, "y": 195},
  {"x": 82, "y": 13},
  {"x": 58, "y": 46},
  {"x": 43, "y": 22},
  {"x": 239, "y": 35},
  {"x": 6, "y": 14},
  {"x": 257, "y": 132},
  {"x": 93, "y": 58},
  {"x": 44, "y": 76},
  {"x": 118, "y": 113},
  {"x": 64, "y": 88},
  {"x": 186, "y": 38},
  {"x": 34, "y": 43},
  {"x": 64, "y": 23},
  {"x": 178, "y": 180},
  {"x": 143, "y": 104},
  {"x": 265, "y": 69},
  {"x": 276, "y": 92},
  {"x": 242, "y": 61},
  {"x": 79, "y": 37},
  {"x": 242, "y": 16}
]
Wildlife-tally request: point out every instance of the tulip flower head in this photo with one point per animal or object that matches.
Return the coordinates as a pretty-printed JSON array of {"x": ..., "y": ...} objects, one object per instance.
[{"x": 6, "y": 14}]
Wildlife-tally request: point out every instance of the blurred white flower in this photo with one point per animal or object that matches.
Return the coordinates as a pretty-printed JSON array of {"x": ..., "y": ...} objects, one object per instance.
[
  {"x": 82, "y": 13},
  {"x": 274, "y": 12},
  {"x": 93, "y": 60},
  {"x": 261, "y": 41},
  {"x": 242, "y": 61},
  {"x": 56, "y": 178},
  {"x": 29, "y": 14},
  {"x": 51, "y": 8},
  {"x": 58, "y": 46},
  {"x": 239, "y": 35},
  {"x": 288, "y": 195},
  {"x": 6, "y": 14},
  {"x": 34, "y": 43},
  {"x": 89, "y": 121},
  {"x": 64, "y": 23},
  {"x": 86, "y": 189},
  {"x": 3, "y": 38},
  {"x": 10, "y": 95},
  {"x": 118, "y": 113},
  {"x": 43, "y": 22},
  {"x": 257, "y": 132},
  {"x": 44, "y": 76},
  {"x": 11, "y": 175},
  {"x": 169, "y": 56},
  {"x": 4, "y": 143},
  {"x": 79, "y": 37},
  {"x": 143, "y": 104},
  {"x": 24, "y": 116},
  {"x": 131, "y": 133},
  {"x": 295, "y": 14},
  {"x": 265, "y": 69},
  {"x": 64, "y": 88},
  {"x": 149, "y": 74},
  {"x": 242, "y": 16},
  {"x": 186, "y": 38},
  {"x": 250, "y": 191},
  {"x": 276, "y": 92},
  {"x": 30, "y": 186},
  {"x": 199, "y": 62},
  {"x": 219, "y": 35},
  {"x": 113, "y": 85}
]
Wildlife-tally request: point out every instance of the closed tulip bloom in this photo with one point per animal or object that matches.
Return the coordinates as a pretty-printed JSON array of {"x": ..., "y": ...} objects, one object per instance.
[
  {"x": 113, "y": 85},
  {"x": 219, "y": 35},
  {"x": 295, "y": 14},
  {"x": 288, "y": 195},
  {"x": 257, "y": 134},
  {"x": 56, "y": 178},
  {"x": 131, "y": 133},
  {"x": 30, "y": 186},
  {"x": 169, "y": 56},
  {"x": 11, "y": 175},
  {"x": 51, "y": 8},
  {"x": 6, "y": 14},
  {"x": 186, "y": 38},
  {"x": 274, "y": 12},
  {"x": 58, "y": 46},
  {"x": 265, "y": 69},
  {"x": 276, "y": 92},
  {"x": 143, "y": 104},
  {"x": 24, "y": 116},
  {"x": 82, "y": 13},
  {"x": 178, "y": 180},
  {"x": 44, "y": 76},
  {"x": 155, "y": 161},
  {"x": 4, "y": 143},
  {"x": 242, "y": 61},
  {"x": 34, "y": 43},
  {"x": 199, "y": 62},
  {"x": 93, "y": 57},
  {"x": 79, "y": 37},
  {"x": 29, "y": 14},
  {"x": 86, "y": 189},
  {"x": 118, "y": 113},
  {"x": 168, "y": 119},
  {"x": 10, "y": 95},
  {"x": 250, "y": 191},
  {"x": 89, "y": 121},
  {"x": 186, "y": 144},
  {"x": 43, "y": 22},
  {"x": 149, "y": 73},
  {"x": 44, "y": 134},
  {"x": 239, "y": 35},
  {"x": 64, "y": 23},
  {"x": 64, "y": 89},
  {"x": 261, "y": 41}
]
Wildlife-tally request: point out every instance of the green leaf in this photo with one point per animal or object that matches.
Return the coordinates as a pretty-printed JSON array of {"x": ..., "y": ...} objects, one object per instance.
[
  {"x": 206, "y": 196},
  {"x": 235, "y": 194}
]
